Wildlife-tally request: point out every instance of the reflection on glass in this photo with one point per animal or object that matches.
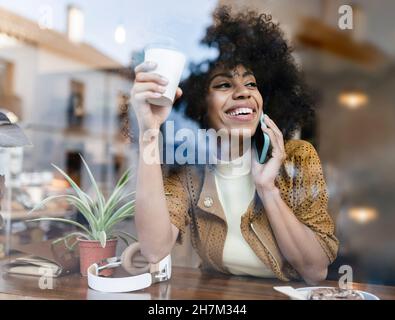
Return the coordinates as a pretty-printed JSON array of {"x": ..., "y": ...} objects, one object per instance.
[{"x": 75, "y": 110}]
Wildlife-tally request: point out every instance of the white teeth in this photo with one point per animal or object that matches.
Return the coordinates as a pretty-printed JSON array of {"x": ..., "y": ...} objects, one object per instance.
[{"x": 240, "y": 111}]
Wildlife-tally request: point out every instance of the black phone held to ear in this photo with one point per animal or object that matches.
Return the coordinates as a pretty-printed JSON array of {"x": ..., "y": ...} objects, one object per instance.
[{"x": 262, "y": 144}]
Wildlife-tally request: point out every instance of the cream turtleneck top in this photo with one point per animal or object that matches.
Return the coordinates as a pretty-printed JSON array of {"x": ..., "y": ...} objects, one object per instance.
[{"x": 236, "y": 190}]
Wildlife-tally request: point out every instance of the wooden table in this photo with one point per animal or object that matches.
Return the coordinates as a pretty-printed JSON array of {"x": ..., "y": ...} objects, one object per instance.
[{"x": 185, "y": 284}]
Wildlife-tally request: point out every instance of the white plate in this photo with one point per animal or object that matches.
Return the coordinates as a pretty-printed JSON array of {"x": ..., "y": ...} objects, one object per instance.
[{"x": 368, "y": 296}]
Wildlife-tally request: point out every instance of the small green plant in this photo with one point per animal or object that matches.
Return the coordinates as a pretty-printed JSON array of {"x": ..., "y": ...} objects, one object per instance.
[{"x": 101, "y": 214}]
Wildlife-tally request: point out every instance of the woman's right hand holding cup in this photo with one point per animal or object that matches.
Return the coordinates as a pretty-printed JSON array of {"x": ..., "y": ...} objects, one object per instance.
[{"x": 149, "y": 85}]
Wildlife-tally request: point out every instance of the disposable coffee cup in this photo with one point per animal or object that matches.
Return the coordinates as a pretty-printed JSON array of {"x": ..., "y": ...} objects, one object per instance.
[{"x": 170, "y": 64}]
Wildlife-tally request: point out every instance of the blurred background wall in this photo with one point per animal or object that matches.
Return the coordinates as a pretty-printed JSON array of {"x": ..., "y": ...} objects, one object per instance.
[{"x": 353, "y": 70}]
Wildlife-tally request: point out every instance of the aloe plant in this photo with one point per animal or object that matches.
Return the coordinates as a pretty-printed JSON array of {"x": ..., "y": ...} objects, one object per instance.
[{"x": 101, "y": 214}]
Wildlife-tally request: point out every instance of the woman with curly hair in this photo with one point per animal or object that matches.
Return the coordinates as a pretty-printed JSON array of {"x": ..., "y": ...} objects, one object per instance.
[{"x": 246, "y": 218}]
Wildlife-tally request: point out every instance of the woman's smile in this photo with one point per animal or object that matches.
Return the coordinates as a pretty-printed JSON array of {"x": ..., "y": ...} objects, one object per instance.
[{"x": 241, "y": 113}]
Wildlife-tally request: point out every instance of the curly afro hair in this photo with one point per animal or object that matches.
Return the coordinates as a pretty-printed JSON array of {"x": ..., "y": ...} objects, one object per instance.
[{"x": 255, "y": 41}]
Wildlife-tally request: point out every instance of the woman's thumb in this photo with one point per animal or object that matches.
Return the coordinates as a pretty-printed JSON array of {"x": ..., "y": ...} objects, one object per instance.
[{"x": 178, "y": 93}]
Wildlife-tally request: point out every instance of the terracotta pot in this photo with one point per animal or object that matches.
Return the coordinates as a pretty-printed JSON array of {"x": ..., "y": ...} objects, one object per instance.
[{"x": 91, "y": 252}]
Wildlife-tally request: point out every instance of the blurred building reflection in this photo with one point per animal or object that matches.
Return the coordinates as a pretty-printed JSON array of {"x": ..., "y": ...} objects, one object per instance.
[{"x": 70, "y": 99}]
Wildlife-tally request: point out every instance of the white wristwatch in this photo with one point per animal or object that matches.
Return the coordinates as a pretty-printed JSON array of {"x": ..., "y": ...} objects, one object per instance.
[{"x": 147, "y": 275}]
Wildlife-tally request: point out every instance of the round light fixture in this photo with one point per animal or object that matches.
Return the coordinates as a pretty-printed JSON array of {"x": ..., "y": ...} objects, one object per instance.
[
  {"x": 353, "y": 99},
  {"x": 362, "y": 215}
]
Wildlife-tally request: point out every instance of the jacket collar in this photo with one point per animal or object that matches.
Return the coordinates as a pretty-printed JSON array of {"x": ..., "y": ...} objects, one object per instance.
[{"x": 209, "y": 199}]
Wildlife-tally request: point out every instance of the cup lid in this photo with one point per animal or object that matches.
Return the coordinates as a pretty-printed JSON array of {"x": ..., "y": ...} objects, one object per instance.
[{"x": 162, "y": 42}]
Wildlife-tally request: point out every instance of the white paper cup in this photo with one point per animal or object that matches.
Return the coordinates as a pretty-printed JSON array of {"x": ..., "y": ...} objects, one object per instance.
[{"x": 170, "y": 64}]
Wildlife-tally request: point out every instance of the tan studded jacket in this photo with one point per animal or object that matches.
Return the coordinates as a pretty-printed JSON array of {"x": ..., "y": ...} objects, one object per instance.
[{"x": 193, "y": 201}]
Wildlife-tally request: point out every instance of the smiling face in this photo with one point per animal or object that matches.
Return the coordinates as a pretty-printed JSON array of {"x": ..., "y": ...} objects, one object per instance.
[{"x": 233, "y": 99}]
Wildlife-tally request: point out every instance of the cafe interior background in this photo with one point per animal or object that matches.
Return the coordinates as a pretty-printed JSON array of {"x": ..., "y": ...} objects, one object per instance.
[{"x": 66, "y": 70}]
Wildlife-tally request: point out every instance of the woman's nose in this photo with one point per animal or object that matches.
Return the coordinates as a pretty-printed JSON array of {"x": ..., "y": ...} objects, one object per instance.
[{"x": 241, "y": 92}]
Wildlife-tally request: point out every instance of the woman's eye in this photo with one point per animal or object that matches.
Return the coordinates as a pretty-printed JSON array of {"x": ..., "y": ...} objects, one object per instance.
[
  {"x": 222, "y": 85},
  {"x": 228, "y": 85}
]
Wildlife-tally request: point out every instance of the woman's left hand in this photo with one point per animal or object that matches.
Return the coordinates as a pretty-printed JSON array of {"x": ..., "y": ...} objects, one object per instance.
[{"x": 265, "y": 174}]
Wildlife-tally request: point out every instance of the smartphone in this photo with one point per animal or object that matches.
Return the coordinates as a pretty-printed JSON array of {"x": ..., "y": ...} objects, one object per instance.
[{"x": 262, "y": 142}]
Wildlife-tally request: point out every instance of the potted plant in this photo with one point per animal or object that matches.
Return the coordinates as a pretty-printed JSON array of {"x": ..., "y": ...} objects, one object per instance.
[{"x": 98, "y": 239}]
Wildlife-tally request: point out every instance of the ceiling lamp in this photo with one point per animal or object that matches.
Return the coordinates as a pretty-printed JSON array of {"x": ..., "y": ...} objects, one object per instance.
[
  {"x": 353, "y": 99},
  {"x": 362, "y": 215}
]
